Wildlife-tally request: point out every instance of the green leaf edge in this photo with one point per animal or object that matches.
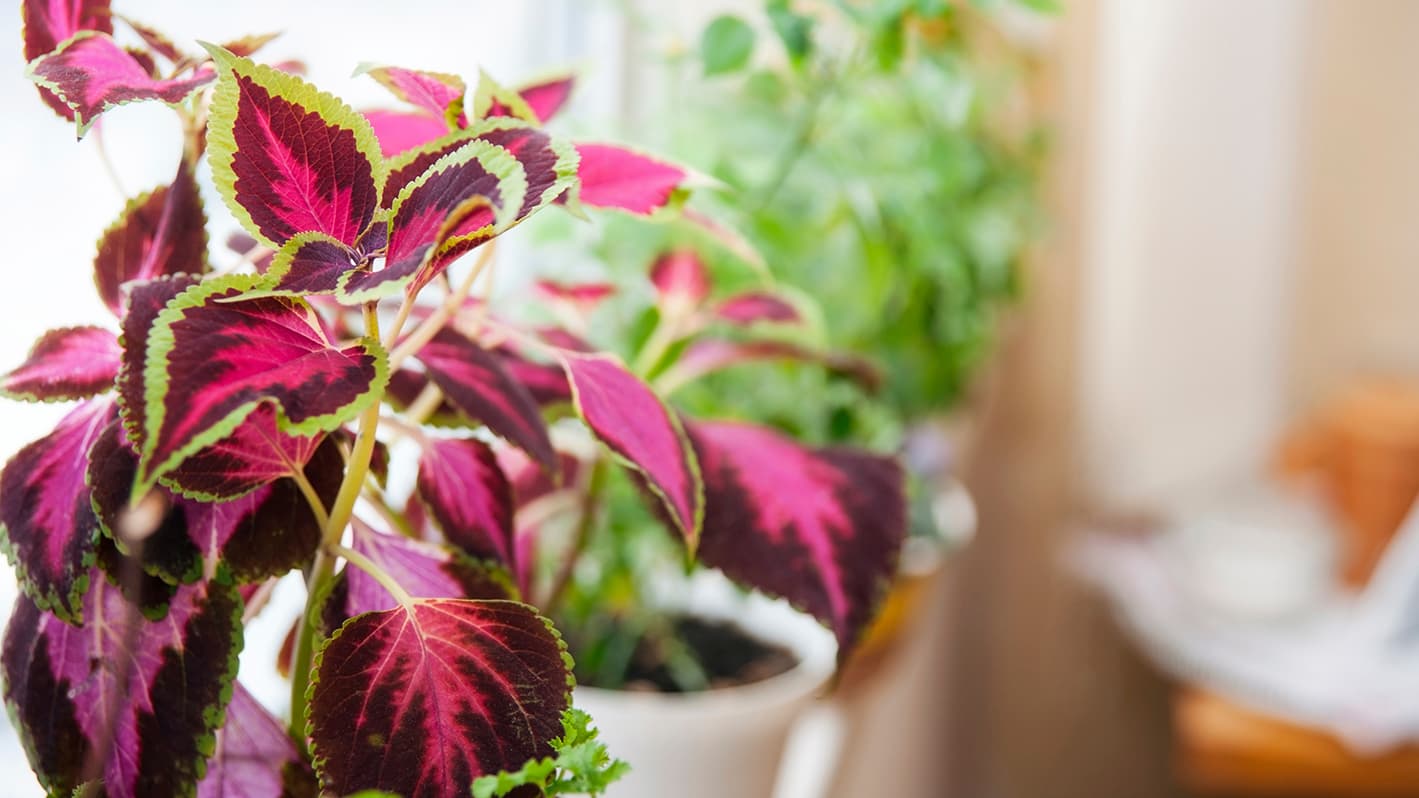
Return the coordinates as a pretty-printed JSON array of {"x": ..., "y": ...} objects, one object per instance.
[
  {"x": 68, "y": 608},
  {"x": 691, "y": 536},
  {"x": 155, "y": 386},
  {"x": 317, "y": 761},
  {"x": 489, "y": 90},
  {"x": 221, "y": 141},
  {"x": 213, "y": 717},
  {"x": 380, "y": 74},
  {"x": 500, "y": 163},
  {"x": 131, "y": 207},
  {"x": 84, "y": 124},
  {"x": 281, "y": 265},
  {"x": 568, "y": 159}
]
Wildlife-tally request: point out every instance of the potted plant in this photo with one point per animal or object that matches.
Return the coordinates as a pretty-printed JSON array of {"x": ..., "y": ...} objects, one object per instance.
[
  {"x": 882, "y": 165},
  {"x": 335, "y": 401}
]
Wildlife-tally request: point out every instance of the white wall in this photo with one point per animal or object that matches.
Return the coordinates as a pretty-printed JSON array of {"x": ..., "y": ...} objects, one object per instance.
[{"x": 1188, "y": 255}]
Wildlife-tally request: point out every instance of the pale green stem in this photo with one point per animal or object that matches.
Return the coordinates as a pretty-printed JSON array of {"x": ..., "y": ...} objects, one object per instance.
[
  {"x": 664, "y": 336},
  {"x": 323, "y": 568},
  {"x": 322, "y": 516},
  {"x": 430, "y": 327},
  {"x": 591, "y": 498}
]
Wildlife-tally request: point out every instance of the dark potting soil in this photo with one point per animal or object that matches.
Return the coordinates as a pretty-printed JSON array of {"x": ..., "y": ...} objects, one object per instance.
[{"x": 727, "y": 656}]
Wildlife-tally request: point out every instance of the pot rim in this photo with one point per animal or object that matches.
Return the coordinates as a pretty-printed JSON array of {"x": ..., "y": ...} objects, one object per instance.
[{"x": 711, "y": 596}]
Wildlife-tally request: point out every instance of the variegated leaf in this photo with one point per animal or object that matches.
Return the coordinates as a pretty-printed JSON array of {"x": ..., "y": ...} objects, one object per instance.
[
  {"x": 125, "y": 700},
  {"x": 288, "y": 158},
  {"x": 820, "y": 527},
  {"x": 69, "y": 363}
]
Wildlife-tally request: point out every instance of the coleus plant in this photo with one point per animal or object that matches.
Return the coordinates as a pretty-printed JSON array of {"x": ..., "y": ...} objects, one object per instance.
[{"x": 234, "y": 425}]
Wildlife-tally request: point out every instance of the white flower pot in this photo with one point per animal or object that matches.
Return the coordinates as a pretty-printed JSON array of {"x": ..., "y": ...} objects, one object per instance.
[{"x": 722, "y": 742}]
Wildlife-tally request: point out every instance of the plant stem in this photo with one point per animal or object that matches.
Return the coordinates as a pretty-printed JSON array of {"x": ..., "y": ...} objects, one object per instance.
[
  {"x": 595, "y": 482},
  {"x": 368, "y": 566},
  {"x": 389, "y": 514},
  {"x": 430, "y": 327},
  {"x": 320, "y": 574},
  {"x": 323, "y": 569},
  {"x": 322, "y": 517},
  {"x": 405, "y": 308},
  {"x": 106, "y": 161},
  {"x": 424, "y": 405},
  {"x": 664, "y": 336}
]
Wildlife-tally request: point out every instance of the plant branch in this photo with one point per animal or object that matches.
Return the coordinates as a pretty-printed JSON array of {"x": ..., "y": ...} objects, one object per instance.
[
  {"x": 323, "y": 569},
  {"x": 591, "y": 498},
  {"x": 106, "y": 161},
  {"x": 430, "y": 326},
  {"x": 322, "y": 516},
  {"x": 662, "y": 337},
  {"x": 389, "y": 514}
]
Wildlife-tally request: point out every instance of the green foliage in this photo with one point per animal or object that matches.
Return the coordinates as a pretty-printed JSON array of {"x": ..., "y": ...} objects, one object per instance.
[
  {"x": 726, "y": 45},
  {"x": 874, "y": 176},
  {"x": 795, "y": 30},
  {"x": 580, "y": 765}
]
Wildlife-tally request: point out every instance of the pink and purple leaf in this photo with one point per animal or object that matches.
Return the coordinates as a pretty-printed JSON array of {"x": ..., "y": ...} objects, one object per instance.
[
  {"x": 444, "y": 691},
  {"x": 92, "y": 74}
]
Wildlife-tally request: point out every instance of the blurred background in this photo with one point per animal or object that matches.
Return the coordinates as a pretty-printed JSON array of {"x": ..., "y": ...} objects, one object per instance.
[{"x": 1142, "y": 279}]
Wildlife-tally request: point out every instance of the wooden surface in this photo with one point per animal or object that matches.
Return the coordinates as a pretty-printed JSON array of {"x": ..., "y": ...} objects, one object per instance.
[{"x": 1224, "y": 749}]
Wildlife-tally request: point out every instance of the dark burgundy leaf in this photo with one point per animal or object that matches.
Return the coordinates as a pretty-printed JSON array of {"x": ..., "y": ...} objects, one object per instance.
[
  {"x": 476, "y": 382},
  {"x": 255, "y": 757},
  {"x": 546, "y": 383},
  {"x": 46, "y": 520},
  {"x": 550, "y": 165},
  {"x": 467, "y": 493},
  {"x": 145, "y": 301},
  {"x": 138, "y": 700},
  {"x": 156, "y": 40},
  {"x": 69, "y": 363},
  {"x": 212, "y": 358},
  {"x": 160, "y": 233},
  {"x": 464, "y": 198},
  {"x": 49, "y": 22},
  {"x": 421, "y": 699},
  {"x": 288, "y": 158},
  {"x": 819, "y": 527},
  {"x": 627, "y": 416},
  {"x": 92, "y": 74},
  {"x": 264, "y": 533},
  {"x": 256, "y": 453},
  {"x": 310, "y": 263}
]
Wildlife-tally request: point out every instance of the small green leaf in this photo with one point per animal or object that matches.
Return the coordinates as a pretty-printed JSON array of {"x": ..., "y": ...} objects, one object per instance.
[
  {"x": 581, "y": 765},
  {"x": 726, "y": 44},
  {"x": 793, "y": 28}
]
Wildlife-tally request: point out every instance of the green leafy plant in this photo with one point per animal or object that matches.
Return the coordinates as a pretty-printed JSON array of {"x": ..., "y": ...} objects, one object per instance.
[{"x": 579, "y": 766}]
